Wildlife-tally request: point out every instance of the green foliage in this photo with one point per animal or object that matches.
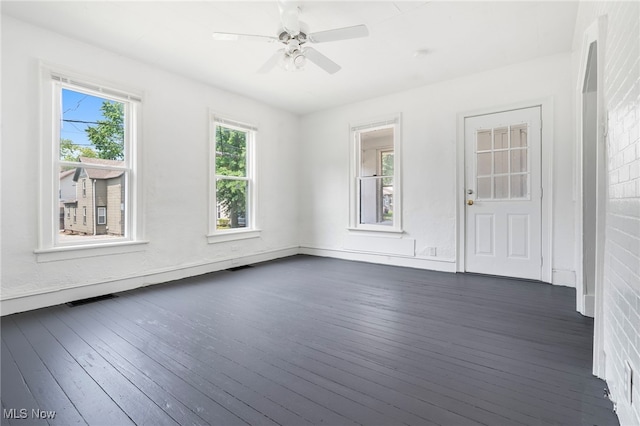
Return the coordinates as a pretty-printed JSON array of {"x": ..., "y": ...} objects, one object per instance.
[
  {"x": 231, "y": 160},
  {"x": 108, "y": 135},
  {"x": 69, "y": 151},
  {"x": 387, "y": 168}
]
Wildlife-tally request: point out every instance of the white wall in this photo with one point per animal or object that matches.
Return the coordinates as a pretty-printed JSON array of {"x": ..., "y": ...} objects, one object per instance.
[
  {"x": 174, "y": 149},
  {"x": 429, "y": 132},
  {"x": 621, "y": 290}
]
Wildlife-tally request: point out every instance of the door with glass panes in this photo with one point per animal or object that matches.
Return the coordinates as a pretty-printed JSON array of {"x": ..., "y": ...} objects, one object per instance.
[{"x": 503, "y": 193}]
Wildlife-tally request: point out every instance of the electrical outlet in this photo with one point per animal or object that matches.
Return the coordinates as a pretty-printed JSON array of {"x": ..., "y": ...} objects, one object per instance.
[
  {"x": 432, "y": 251},
  {"x": 627, "y": 382}
]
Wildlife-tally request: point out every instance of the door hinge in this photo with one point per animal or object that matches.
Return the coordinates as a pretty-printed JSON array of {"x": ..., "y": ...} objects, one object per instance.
[
  {"x": 541, "y": 261},
  {"x": 541, "y": 192}
]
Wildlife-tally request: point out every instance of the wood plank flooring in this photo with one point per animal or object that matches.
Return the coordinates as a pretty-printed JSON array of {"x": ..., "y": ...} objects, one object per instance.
[{"x": 308, "y": 340}]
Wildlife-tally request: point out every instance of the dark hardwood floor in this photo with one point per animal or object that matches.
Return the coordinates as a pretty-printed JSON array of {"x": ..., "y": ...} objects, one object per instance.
[{"x": 308, "y": 340}]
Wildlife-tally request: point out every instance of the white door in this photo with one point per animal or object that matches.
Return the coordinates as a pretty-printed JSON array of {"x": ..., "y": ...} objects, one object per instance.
[{"x": 503, "y": 193}]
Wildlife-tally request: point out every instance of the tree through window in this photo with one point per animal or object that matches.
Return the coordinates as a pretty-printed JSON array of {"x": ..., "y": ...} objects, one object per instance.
[{"x": 233, "y": 177}]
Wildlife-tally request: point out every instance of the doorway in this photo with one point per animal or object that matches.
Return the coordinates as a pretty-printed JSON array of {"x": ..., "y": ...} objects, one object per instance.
[
  {"x": 503, "y": 187},
  {"x": 591, "y": 178},
  {"x": 590, "y": 172}
]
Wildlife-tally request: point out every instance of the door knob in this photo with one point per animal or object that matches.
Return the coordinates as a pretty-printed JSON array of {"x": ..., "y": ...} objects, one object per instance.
[{"x": 470, "y": 202}]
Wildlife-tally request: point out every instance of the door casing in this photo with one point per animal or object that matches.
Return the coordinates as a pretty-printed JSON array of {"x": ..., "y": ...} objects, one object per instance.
[{"x": 592, "y": 304}]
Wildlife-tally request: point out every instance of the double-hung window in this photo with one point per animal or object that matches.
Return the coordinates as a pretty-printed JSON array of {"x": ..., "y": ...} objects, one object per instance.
[
  {"x": 102, "y": 215},
  {"x": 233, "y": 188},
  {"x": 375, "y": 201},
  {"x": 89, "y": 157}
]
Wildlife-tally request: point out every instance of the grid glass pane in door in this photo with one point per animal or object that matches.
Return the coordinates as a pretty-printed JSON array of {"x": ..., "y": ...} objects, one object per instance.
[{"x": 502, "y": 167}]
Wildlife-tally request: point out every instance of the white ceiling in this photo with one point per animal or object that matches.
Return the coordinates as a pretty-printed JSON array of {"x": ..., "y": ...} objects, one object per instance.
[{"x": 460, "y": 38}]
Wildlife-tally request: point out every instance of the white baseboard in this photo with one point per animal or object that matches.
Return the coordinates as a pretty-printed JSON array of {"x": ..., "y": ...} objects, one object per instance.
[
  {"x": 443, "y": 265},
  {"x": 21, "y": 303}
]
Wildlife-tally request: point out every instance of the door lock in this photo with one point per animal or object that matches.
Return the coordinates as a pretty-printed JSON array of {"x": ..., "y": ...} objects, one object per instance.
[
  {"x": 470, "y": 202},
  {"x": 469, "y": 191}
]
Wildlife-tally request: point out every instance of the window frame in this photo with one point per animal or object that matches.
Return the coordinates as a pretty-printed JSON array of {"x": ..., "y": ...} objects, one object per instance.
[
  {"x": 104, "y": 215},
  {"x": 356, "y": 129},
  {"x": 251, "y": 229},
  {"x": 53, "y": 81}
]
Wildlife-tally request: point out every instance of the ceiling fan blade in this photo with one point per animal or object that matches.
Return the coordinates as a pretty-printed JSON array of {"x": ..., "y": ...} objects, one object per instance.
[
  {"x": 320, "y": 60},
  {"x": 271, "y": 62},
  {"x": 289, "y": 16},
  {"x": 339, "y": 34},
  {"x": 242, "y": 37}
]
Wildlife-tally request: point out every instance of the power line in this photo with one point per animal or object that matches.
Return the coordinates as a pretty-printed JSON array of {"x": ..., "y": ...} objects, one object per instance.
[
  {"x": 77, "y": 104},
  {"x": 80, "y": 121}
]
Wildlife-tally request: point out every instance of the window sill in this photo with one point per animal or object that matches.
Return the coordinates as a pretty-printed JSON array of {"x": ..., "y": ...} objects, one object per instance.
[
  {"x": 377, "y": 231},
  {"x": 234, "y": 235},
  {"x": 89, "y": 250}
]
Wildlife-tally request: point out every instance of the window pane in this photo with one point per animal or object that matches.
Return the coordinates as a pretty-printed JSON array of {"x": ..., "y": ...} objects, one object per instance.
[
  {"x": 484, "y": 188},
  {"x": 231, "y": 196},
  {"x": 376, "y": 201},
  {"x": 91, "y": 126},
  {"x": 519, "y": 186},
  {"x": 102, "y": 215},
  {"x": 484, "y": 140},
  {"x": 500, "y": 138},
  {"x": 501, "y": 187},
  {"x": 231, "y": 152},
  {"x": 501, "y": 162},
  {"x": 386, "y": 166},
  {"x": 519, "y": 136},
  {"x": 92, "y": 204},
  {"x": 484, "y": 163},
  {"x": 519, "y": 161}
]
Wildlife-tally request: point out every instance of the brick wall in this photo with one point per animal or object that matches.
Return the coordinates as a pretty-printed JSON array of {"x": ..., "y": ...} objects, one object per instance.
[{"x": 621, "y": 313}]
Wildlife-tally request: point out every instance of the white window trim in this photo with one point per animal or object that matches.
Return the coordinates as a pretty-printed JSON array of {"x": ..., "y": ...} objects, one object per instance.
[
  {"x": 52, "y": 80},
  {"x": 394, "y": 121},
  {"x": 251, "y": 230}
]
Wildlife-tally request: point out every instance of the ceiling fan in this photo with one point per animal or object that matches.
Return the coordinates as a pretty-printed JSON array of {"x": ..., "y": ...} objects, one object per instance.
[{"x": 295, "y": 37}]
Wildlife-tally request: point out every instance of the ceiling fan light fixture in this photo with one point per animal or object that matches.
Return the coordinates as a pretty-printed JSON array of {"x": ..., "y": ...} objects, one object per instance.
[{"x": 298, "y": 59}]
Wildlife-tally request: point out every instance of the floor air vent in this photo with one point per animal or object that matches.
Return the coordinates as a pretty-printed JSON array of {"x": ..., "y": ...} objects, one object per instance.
[
  {"x": 239, "y": 268},
  {"x": 90, "y": 300}
]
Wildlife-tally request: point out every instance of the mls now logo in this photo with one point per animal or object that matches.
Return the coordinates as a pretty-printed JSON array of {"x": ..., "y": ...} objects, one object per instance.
[{"x": 23, "y": 413}]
